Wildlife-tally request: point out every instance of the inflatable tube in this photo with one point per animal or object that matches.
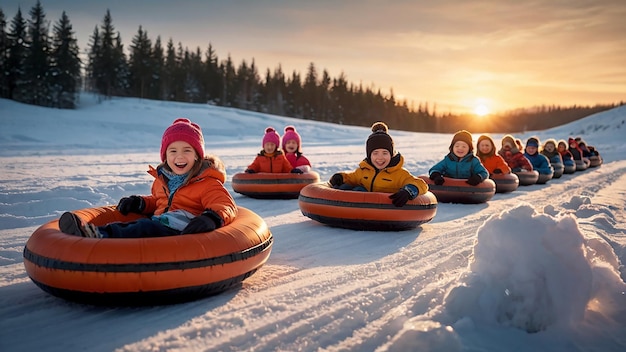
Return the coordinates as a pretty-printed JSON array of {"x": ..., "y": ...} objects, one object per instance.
[
  {"x": 370, "y": 211},
  {"x": 266, "y": 185},
  {"x": 595, "y": 161},
  {"x": 456, "y": 190},
  {"x": 582, "y": 165},
  {"x": 544, "y": 178},
  {"x": 140, "y": 271},
  {"x": 505, "y": 182},
  {"x": 559, "y": 169},
  {"x": 527, "y": 177},
  {"x": 569, "y": 169}
]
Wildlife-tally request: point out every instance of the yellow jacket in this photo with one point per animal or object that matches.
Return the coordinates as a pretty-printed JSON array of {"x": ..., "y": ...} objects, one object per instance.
[{"x": 388, "y": 180}]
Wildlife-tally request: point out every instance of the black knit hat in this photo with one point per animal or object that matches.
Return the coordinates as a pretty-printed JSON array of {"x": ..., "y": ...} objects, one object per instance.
[
  {"x": 379, "y": 139},
  {"x": 463, "y": 136}
]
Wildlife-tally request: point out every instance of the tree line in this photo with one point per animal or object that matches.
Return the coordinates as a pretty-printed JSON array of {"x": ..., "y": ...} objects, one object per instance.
[{"x": 44, "y": 68}]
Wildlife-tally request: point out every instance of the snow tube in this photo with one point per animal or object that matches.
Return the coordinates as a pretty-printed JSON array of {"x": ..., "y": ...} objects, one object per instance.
[
  {"x": 265, "y": 185},
  {"x": 569, "y": 168},
  {"x": 595, "y": 161},
  {"x": 527, "y": 177},
  {"x": 140, "y": 271},
  {"x": 505, "y": 182},
  {"x": 370, "y": 211},
  {"x": 544, "y": 178},
  {"x": 457, "y": 190},
  {"x": 582, "y": 165},
  {"x": 559, "y": 169}
]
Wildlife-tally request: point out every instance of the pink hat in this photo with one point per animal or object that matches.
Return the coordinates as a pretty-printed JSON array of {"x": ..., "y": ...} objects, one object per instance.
[
  {"x": 292, "y": 135},
  {"x": 271, "y": 136},
  {"x": 183, "y": 130}
]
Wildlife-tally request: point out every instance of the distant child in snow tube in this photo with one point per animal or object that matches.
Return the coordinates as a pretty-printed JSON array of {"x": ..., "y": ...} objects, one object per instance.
[
  {"x": 566, "y": 155},
  {"x": 188, "y": 193},
  {"x": 540, "y": 162},
  {"x": 381, "y": 171},
  {"x": 270, "y": 159},
  {"x": 460, "y": 162},
  {"x": 292, "y": 147},
  {"x": 494, "y": 163},
  {"x": 511, "y": 152}
]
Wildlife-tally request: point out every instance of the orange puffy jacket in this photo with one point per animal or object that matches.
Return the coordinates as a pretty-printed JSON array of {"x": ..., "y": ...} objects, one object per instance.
[
  {"x": 202, "y": 192},
  {"x": 273, "y": 163}
]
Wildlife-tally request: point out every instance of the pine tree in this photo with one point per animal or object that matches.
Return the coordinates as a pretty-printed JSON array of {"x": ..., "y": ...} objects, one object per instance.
[
  {"x": 4, "y": 58},
  {"x": 37, "y": 62},
  {"x": 65, "y": 65},
  {"x": 140, "y": 64},
  {"x": 17, "y": 52},
  {"x": 121, "y": 83},
  {"x": 169, "y": 72},
  {"x": 92, "y": 60},
  {"x": 156, "y": 88},
  {"x": 103, "y": 62},
  {"x": 212, "y": 77}
]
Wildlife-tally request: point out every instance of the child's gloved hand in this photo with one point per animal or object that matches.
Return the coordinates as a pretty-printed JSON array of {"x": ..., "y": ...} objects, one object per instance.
[
  {"x": 437, "y": 178},
  {"x": 400, "y": 198},
  {"x": 474, "y": 180},
  {"x": 296, "y": 171},
  {"x": 201, "y": 223},
  {"x": 336, "y": 180},
  {"x": 250, "y": 171},
  {"x": 132, "y": 204}
]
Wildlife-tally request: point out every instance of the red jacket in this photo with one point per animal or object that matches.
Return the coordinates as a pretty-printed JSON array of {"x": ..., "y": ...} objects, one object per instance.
[
  {"x": 273, "y": 163},
  {"x": 515, "y": 159},
  {"x": 202, "y": 192},
  {"x": 495, "y": 161}
]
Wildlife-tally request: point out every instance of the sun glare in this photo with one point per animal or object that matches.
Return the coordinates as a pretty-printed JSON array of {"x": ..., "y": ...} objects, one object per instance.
[{"x": 481, "y": 110}]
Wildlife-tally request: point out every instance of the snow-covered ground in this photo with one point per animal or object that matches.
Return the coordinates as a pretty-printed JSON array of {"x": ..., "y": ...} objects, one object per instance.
[{"x": 539, "y": 269}]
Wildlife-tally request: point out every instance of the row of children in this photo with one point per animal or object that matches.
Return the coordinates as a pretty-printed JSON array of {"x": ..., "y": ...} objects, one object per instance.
[{"x": 188, "y": 193}]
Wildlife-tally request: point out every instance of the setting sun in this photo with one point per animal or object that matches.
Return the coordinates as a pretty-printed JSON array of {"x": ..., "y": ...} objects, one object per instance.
[{"x": 481, "y": 110}]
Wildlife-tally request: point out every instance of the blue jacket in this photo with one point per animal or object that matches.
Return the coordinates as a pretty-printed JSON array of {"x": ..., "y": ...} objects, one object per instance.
[
  {"x": 540, "y": 162},
  {"x": 453, "y": 167}
]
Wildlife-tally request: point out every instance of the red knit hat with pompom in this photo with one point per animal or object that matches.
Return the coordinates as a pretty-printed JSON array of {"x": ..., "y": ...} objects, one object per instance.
[
  {"x": 183, "y": 129},
  {"x": 292, "y": 135},
  {"x": 271, "y": 136}
]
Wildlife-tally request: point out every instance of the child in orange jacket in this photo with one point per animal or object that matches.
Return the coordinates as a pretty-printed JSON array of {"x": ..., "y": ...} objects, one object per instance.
[
  {"x": 270, "y": 159},
  {"x": 494, "y": 163},
  {"x": 188, "y": 193}
]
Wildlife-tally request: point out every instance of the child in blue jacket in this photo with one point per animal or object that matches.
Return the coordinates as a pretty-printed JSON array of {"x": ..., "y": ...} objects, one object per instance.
[
  {"x": 540, "y": 162},
  {"x": 460, "y": 162}
]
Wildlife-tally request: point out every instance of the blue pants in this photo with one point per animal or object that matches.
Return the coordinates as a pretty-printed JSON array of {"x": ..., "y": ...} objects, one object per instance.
[
  {"x": 347, "y": 187},
  {"x": 136, "y": 229}
]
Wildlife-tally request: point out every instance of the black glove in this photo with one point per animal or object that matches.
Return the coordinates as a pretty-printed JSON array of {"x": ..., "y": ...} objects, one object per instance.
[
  {"x": 250, "y": 171},
  {"x": 497, "y": 171},
  {"x": 400, "y": 198},
  {"x": 297, "y": 171},
  {"x": 336, "y": 180},
  {"x": 474, "y": 180},
  {"x": 132, "y": 204},
  {"x": 517, "y": 169},
  {"x": 437, "y": 178},
  {"x": 201, "y": 223}
]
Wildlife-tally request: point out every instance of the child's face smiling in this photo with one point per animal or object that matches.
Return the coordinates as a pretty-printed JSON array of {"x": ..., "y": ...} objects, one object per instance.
[
  {"x": 460, "y": 149},
  {"x": 180, "y": 157},
  {"x": 484, "y": 146},
  {"x": 269, "y": 147},
  {"x": 549, "y": 147},
  {"x": 531, "y": 150},
  {"x": 291, "y": 146},
  {"x": 380, "y": 158}
]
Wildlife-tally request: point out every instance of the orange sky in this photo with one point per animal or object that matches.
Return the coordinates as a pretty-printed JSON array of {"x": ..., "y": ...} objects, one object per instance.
[{"x": 504, "y": 54}]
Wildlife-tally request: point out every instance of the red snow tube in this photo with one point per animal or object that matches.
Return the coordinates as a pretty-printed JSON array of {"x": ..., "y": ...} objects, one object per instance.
[
  {"x": 457, "y": 190},
  {"x": 595, "y": 160},
  {"x": 370, "y": 211},
  {"x": 139, "y": 271},
  {"x": 505, "y": 182},
  {"x": 267, "y": 185},
  {"x": 543, "y": 178}
]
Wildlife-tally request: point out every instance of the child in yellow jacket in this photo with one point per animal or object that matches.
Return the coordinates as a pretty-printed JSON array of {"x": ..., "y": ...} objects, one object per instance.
[{"x": 381, "y": 171}]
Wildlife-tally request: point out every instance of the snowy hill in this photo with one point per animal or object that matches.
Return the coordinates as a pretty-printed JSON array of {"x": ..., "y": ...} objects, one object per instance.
[{"x": 537, "y": 269}]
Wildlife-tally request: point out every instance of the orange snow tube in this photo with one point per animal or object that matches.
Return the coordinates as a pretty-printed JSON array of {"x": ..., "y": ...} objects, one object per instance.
[
  {"x": 267, "y": 185},
  {"x": 505, "y": 183},
  {"x": 138, "y": 271},
  {"x": 371, "y": 211},
  {"x": 456, "y": 190}
]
